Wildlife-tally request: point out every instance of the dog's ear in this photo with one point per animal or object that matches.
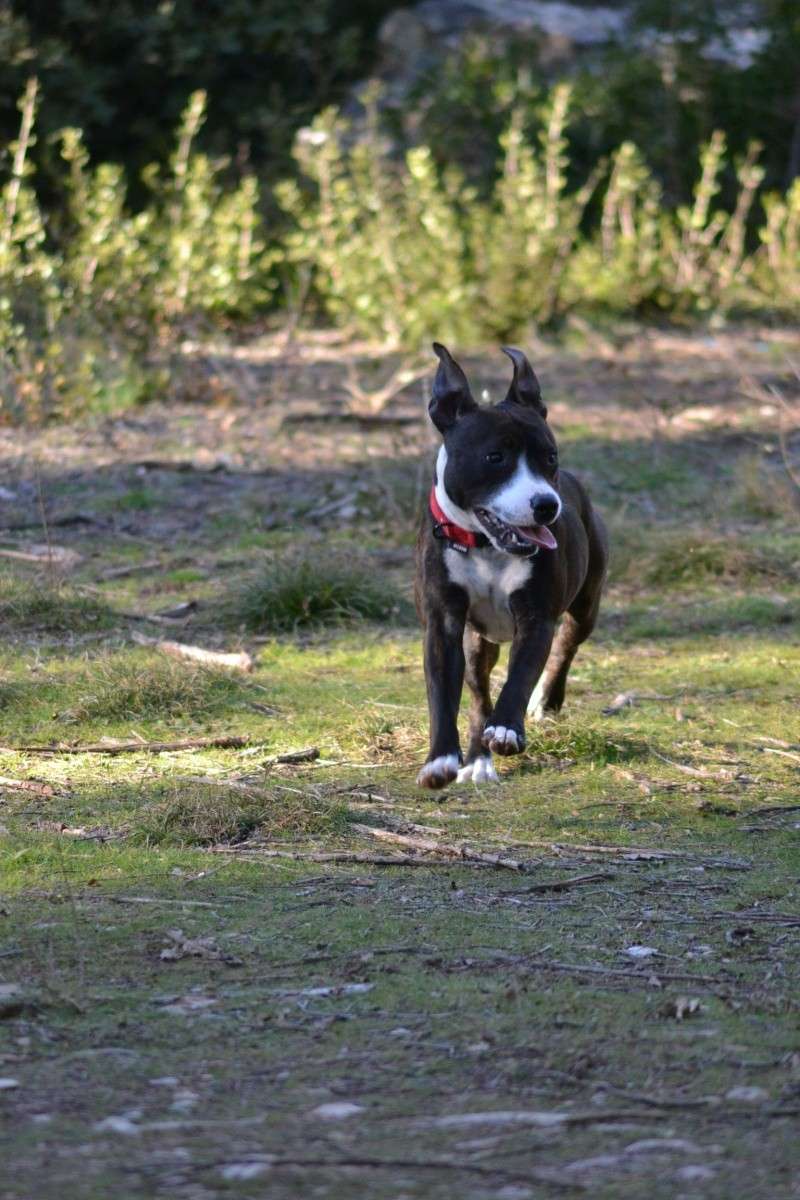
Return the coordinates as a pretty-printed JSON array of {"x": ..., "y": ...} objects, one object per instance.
[
  {"x": 524, "y": 387},
  {"x": 451, "y": 397}
]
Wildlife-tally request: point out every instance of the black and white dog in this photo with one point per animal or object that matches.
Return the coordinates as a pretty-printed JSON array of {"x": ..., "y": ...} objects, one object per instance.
[{"x": 510, "y": 544}]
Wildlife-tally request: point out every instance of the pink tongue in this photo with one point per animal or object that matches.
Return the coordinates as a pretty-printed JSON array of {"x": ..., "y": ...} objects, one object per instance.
[{"x": 539, "y": 534}]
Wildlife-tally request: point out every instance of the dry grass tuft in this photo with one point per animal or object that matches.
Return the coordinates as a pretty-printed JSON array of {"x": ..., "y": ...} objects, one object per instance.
[
  {"x": 206, "y": 814},
  {"x": 44, "y": 606},
  {"x": 304, "y": 590},
  {"x": 151, "y": 688}
]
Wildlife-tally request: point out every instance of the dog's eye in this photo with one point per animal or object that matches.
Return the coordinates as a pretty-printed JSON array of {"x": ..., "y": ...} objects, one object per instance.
[
  {"x": 494, "y": 456},
  {"x": 552, "y": 458}
]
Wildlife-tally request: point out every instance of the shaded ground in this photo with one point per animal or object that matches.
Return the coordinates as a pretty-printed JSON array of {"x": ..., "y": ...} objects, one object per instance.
[{"x": 183, "y": 1014}]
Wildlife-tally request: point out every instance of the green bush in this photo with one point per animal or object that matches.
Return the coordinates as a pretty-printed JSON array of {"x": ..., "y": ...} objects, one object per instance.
[
  {"x": 95, "y": 297},
  {"x": 404, "y": 250},
  {"x": 91, "y": 300}
]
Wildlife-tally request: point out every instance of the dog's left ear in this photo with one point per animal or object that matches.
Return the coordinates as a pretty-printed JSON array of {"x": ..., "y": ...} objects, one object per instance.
[
  {"x": 524, "y": 389},
  {"x": 451, "y": 397}
]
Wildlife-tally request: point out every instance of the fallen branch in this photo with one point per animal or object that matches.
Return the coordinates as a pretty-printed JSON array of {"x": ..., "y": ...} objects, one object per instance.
[
  {"x": 27, "y": 785},
  {"x": 616, "y": 972},
  {"x": 225, "y": 742},
  {"x": 668, "y": 1102},
  {"x": 179, "y": 615},
  {"x": 57, "y": 556},
  {"x": 309, "y": 754},
  {"x": 766, "y": 918},
  {"x": 695, "y": 772},
  {"x": 652, "y": 978},
  {"x": 339, "y": 856},
  {"x": 562, "y": 885},
  {"x": 241, "y": 661},
  {"x": 54, "y": 522},
  {"x": 150, "y": 564},
  {"x": 432, "y": 846},
  {"x": 629, "y": 699},
  {"x": 782, "y": 753},
  {"x": 162, "y": 900},
  {"x": 631, "y": 853},
  {"x": 537, "y": 1119},
  {"x": 774, "y": 808},
  {"x": 544, "y": 1175}
]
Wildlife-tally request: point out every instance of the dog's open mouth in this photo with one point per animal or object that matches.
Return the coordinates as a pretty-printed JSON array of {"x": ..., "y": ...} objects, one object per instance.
[{"x": 516, "y": 539}]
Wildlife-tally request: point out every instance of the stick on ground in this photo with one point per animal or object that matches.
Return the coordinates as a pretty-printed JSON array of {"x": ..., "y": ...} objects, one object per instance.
[
  {"x": 225, "y": 742},
  {"x": 432, "y": 846},
  {"x": 240, "y": 661}
]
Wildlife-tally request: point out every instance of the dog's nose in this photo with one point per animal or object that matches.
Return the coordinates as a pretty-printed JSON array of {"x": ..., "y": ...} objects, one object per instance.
[{"x": 545, "y": 508}]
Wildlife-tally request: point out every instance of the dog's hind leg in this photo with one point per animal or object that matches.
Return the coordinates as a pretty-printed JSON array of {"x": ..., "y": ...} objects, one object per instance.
[
  {"x": 577, "y": 625},
  {"x": 578, "y": 622},
  {"x": 480, "y": 656},
  {"x": 548, "y": 695}
]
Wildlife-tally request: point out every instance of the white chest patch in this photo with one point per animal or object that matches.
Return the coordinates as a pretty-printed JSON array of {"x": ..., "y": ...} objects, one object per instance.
[{"x": 489, "y": 577}]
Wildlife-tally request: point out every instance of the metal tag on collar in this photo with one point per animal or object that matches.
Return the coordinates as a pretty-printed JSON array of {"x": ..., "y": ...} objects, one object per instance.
[{"x": 441, "y": 536}]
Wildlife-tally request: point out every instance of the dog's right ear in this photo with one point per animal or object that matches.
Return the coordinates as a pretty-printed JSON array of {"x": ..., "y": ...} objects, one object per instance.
[{"x": 451, "y": 397}]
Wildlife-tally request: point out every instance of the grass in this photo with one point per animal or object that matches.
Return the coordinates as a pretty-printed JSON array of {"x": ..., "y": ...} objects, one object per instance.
[
  {"x": 208, "y": 813},
  {"x": 307, "y": 590},
  {"x": 29, "y": 605},
  {"x": 412, "y": 993},
  {"x": 129, "y": 686}
]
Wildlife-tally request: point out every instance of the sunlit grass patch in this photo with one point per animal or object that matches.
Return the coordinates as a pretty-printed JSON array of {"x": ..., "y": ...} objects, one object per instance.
[
  {"x": 760, "y": 492},
  {"x": 204, "y": 814},
  {"x": 681, "y": 557},
  {"x": 572, "y": 739},
  {"x": 304, "y": 590},
  {"x": 47, "y": 606},
  {"x": 712, "y": 616},
  {"x": 119, "y": 688}
]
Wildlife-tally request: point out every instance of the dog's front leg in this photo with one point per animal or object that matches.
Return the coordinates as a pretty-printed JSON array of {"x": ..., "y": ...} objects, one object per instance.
[
  {"x": 444, "y": 678},
  {"x": 505, "y": 729}
]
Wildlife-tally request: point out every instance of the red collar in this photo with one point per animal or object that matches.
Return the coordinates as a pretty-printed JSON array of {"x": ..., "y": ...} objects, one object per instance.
[{"x": 450, "y": 532}]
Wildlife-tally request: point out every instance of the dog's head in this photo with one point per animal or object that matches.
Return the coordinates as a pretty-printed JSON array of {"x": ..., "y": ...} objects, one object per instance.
[{"x": 497, "y": 471}]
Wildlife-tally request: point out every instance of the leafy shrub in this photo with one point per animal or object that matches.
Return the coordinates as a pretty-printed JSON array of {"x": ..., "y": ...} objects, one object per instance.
[
  {"x": 95, "y": 298},
  {"x": 404, "y": 249},
  {"x": 90, "y": 304}
]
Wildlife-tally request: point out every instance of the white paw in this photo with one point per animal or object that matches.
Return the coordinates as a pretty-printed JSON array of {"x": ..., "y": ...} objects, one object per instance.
[
  {"x": 536, "y": 702},
  {"x": 439, "y": 771},
  {"x": 501, "y": 740},
  {"x": 480, "y": 770}
]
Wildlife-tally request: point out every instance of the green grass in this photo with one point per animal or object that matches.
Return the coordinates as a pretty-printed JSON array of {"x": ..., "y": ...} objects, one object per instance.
[
  {"x": 301, "y": 591},
  {"x": 132, "y": 686},
  {"x": 32, "y": 605},
  {"x": 201, "y": 814}
]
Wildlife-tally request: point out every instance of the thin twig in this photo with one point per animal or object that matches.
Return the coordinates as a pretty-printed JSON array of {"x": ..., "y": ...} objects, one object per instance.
[
  {"x": 561, "y": 885},
  {"x": 340, "y": 856},
  {"x": 782, "y": 753},
  {"x": 225, "y": 742},
  {"x": 164, "y": 900},
  {"x": 309, "y": 754},
  {"x": 433, "y": 846}
]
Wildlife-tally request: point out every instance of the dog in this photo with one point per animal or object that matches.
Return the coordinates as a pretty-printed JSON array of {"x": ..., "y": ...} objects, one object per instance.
[{"x": 509, "y": 544}]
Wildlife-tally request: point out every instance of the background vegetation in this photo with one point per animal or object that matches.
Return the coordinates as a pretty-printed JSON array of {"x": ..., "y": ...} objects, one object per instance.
[{"x": 163, "y": 175}]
